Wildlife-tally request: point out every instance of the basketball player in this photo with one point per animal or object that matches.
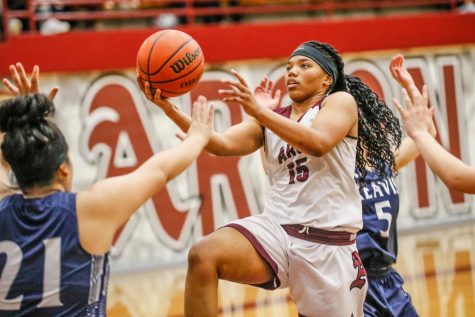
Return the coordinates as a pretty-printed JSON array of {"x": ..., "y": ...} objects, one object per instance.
[
  {"x": 54, "y": 243},
  {"x": 416, "y": 118},
  {"x": 377, "y": 241},
  {"x": 305, "y": 238}
]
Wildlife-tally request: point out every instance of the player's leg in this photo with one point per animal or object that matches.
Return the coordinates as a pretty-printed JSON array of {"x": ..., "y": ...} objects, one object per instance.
[
  {"x": 224, "y": 254},
  {"x": 400, "y": 301},
  {"x": 376, "y": 302},
  {"x": 386, "y": 297}
]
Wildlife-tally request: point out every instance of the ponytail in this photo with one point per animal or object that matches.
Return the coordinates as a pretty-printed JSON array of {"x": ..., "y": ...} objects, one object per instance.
[{"x": 33, "y": 145}]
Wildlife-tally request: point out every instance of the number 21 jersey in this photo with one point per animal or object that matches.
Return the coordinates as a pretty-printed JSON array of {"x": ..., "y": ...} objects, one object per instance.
[{"x": 43, "y": 269}]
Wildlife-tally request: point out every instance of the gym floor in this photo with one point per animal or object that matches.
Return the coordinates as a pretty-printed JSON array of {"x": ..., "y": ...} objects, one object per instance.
[{"x": 437, "y": 265}]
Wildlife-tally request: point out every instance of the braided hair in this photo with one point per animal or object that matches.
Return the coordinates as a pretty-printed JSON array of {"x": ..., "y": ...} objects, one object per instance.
[
  {"x": 33, "y": 145},
  {"x": 379, "y": 131}
]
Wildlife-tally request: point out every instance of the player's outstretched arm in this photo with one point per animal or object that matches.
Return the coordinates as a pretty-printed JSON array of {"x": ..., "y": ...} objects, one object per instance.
[
  {"x": 240, "y": 139},
  {"x": 417, "y": 119},
  {"x": 108, "y": 204},
  {"x": 333, "y": 123},
  {"x": 408, "y": 150}
]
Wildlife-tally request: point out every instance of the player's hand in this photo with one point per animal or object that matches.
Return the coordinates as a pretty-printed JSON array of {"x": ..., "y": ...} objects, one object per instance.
[
  {"x": 402, "y": 76},
  {"x": 153, "y": 94},
  {"x": 201, "y": 119},
  {"x": 263, "y": 94},
  {"x": 241, "y": 94},
  {"x": 399, "y": 71},
  {"x": 415, "y": 115},
  {"x": 22, "y": 85}
]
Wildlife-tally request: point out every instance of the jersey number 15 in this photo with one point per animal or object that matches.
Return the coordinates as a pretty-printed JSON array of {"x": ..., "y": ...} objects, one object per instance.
[{"x": 298, "y": 170}]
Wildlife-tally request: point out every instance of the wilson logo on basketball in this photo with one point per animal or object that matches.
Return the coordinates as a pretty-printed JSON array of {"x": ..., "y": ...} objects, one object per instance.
[{"x": 186, "y": 60}]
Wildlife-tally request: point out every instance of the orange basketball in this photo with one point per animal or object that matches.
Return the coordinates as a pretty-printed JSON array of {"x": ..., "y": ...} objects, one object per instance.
[{"x": 172, "y": 61}]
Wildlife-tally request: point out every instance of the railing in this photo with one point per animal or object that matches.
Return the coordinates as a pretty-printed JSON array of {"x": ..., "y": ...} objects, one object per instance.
[{"x": 199, "y": 11}]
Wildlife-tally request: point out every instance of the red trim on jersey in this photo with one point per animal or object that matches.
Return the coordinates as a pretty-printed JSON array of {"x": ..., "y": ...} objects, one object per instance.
[
  {"x": 287, "y": 111},
  {"x": 284, "y": 111},
  {"x": 320, "y": 235},
  {"x": 273, "y": 283}
]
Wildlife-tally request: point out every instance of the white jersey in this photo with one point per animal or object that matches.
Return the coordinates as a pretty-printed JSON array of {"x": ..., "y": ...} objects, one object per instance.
[{"x": 317, "y": 192}]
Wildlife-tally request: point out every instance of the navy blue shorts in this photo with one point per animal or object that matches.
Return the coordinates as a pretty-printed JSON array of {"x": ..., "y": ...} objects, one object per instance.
[{"x": 386, "y": 297}]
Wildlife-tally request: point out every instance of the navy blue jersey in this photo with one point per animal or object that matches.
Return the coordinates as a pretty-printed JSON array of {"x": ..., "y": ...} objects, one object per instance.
[
  {"x": 43, "y": 269},
  {"x": 377, "y": 241}
]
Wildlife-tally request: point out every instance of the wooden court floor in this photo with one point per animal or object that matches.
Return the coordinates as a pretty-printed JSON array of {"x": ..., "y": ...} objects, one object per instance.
[{"x": 438, "y": 267}]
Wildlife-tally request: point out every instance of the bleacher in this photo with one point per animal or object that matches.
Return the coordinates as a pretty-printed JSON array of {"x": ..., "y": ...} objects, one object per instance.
[{"x": 83, "y": 14}]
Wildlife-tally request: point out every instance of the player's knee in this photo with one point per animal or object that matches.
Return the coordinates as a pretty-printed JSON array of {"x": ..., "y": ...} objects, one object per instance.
[{"x": 199, "y": 258}]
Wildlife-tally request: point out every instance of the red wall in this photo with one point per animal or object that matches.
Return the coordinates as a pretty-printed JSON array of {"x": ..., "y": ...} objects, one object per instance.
[{"x": 109, "y": 50}]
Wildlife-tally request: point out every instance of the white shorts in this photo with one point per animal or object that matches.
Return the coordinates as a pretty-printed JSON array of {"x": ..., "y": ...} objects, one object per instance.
[{"x": 325, "y": 280}]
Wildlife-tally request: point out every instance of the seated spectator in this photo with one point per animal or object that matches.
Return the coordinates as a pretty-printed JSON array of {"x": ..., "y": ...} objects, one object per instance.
[
  {"x": 16, "y": 25},
  {"x": 215, "y": 18},
  {"x": 467, "y": 6}
]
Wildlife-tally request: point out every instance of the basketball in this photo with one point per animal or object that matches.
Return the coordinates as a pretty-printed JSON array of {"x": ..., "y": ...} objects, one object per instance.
[{"x": 171, "y": 61}]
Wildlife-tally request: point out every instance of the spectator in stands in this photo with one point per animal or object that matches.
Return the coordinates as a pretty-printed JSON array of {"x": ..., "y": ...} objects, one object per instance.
[
  {"x": 16, "y": 25},
  {"x": 169, "y": 20},
  {"x": 49, "y": 26},
  {"x": 217, "y": 18},
  {"x": 236, "y": 17},
  {"x": 467, "y": 6},
  {"x": 212, "y": 18}
]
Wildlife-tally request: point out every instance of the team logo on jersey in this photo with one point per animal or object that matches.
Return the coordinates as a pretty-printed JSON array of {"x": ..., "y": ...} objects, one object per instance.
[{"x": 360, "y": 280}]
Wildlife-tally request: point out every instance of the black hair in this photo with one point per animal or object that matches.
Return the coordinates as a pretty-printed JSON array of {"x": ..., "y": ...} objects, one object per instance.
[
  {"x": 33, "y": 145},
  {"x": 379, "y": 130}
]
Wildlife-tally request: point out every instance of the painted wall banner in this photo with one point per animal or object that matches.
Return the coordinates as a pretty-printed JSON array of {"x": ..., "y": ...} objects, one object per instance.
[{"x": 112, "y": 129}]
